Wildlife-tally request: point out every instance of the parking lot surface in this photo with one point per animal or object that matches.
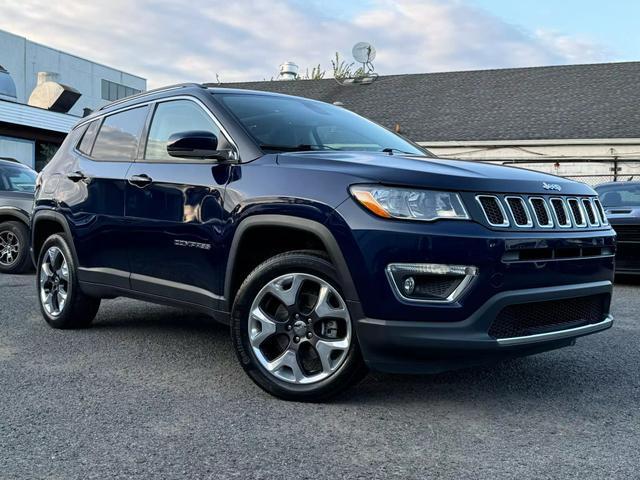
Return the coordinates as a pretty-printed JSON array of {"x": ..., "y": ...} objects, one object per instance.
[{"x": 156, "y": 392}]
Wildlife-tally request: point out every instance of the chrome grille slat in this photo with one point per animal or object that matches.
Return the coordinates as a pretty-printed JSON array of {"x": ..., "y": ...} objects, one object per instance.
[
  {"x": 587, "y": 205},
  {"x": 541, "y": 211},
  {"x": 493, "y": 210},
  {"x": 560, "y": 212},
  {"x": 600, "y": 209},
  {"x": 519, "y": 212},
  {"x": 577, "y": 214}
]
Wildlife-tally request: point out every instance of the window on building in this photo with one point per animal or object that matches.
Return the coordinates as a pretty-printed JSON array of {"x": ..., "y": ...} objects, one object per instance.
[
  {"x": 174, "y": 117},
  {"x": 119, "y": 135},
  {"x": 114, "y": 91}
]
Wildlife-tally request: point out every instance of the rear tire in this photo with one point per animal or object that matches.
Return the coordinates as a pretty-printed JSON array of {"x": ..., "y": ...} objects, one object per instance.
[
  {"x": 292, "y": 331},
  {"x": 62, "y": 303},
  {"x": 14, "y": 247}
]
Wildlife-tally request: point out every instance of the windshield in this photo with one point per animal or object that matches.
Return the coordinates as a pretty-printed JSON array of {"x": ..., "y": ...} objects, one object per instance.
[
  {"x": 622, "y": 195},
  {"x": 284, "y": 124},
  {"x": 17, "y": 179}
]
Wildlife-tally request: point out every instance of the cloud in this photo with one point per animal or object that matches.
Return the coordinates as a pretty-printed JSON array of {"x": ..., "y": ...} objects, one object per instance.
[{"x": 173, "y": 41}]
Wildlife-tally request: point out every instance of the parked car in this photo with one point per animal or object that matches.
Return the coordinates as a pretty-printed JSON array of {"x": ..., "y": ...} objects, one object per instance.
[
  {"x": 621, "y": 201},
  {"x": 17, "y": 183},
  {"x": 329, "y": 244}
]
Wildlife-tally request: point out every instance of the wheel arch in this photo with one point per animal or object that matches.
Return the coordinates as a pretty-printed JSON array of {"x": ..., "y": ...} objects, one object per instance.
[
  {"x": 44, "y": 224},
  {"x": 307, "y": 227},
  {"x": 8, "y": 214}
]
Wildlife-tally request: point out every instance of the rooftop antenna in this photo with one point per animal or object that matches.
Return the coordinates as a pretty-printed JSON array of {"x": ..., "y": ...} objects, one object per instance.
[{"x": 364, "y": 53}]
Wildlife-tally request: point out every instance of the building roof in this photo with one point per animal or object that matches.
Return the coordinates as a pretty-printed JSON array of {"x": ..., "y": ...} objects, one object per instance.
[
  {"x": 559, "y": 102},
  {"x": 28, "y": 116}
]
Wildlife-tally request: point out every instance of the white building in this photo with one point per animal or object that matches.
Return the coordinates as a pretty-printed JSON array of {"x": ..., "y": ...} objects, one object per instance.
[{"x": 32, "y": 125}]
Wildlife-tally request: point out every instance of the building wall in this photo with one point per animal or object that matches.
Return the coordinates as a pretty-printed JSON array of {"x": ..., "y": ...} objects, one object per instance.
[{"x": 24, "y": 59}]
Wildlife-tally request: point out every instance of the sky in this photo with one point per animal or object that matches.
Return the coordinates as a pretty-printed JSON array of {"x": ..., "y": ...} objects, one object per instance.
[{"x": 169, "y": 41}]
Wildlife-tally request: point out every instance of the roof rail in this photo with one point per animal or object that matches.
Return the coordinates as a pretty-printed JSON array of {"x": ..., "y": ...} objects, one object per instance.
[{"x": 150, "y": 92}]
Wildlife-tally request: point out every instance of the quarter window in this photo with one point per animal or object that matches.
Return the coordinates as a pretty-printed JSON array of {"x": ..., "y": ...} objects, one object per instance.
[
  {"x": 119, "y": 135},
  {"x": 174, "y": 117},
  {"x": 89, "y": 136}
]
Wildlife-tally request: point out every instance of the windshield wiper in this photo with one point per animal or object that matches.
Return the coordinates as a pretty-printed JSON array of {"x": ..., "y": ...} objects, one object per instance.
[
  {"x": 390, "y": 151},
  {"x": 303, "y": 147}
]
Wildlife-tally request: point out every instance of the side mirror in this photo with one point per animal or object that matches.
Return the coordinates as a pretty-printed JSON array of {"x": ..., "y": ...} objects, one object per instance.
[{"x": 195, "y": 144}]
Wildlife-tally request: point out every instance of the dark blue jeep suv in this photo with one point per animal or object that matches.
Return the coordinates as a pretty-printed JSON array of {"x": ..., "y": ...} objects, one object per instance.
[{"x": 329, "y": 244}]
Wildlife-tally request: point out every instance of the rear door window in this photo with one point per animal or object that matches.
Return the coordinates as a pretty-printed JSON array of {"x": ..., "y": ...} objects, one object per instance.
[{"x": 119, "y": 135}]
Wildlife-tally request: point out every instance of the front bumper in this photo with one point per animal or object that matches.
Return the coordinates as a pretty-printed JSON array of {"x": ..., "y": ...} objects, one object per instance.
[{"x": 429, "y": 347}]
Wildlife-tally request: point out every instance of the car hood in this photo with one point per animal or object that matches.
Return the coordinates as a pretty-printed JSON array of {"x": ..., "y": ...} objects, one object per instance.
[
  {"x": 434, "y": 173},
  {"x": 623, "y": 214}
]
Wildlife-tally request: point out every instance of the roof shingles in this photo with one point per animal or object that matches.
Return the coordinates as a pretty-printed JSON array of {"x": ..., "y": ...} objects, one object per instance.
[{"x": 559, "y": 102}]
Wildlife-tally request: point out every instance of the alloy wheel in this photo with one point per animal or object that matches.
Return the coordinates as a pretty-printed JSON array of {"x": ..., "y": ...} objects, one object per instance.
[
  {"x": 54, "y": 281},
  {"x": 9, "y": 248},
  {"x": 300, "y": 328}
]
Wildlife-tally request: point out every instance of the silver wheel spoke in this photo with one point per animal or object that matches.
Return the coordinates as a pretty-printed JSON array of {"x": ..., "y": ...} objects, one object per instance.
[
  {"x": 326, "y": 348},
  {"x": 63, "y": 271},
  {"x": 53, "y": 255},
  {"x": 286, "y": 366},
  {"x": 45, "y": 271},
  {"x": 48, "y": 303},
  {"x": 324, "y": 309},
  {"x": 261, "y": 327},
  {"x": 286, "y": 295}
]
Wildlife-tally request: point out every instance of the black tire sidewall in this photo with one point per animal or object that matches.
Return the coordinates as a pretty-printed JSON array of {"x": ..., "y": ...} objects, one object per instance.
[
  {"x": 22, "y": 233},
  {"x": 350, "y": 371}
]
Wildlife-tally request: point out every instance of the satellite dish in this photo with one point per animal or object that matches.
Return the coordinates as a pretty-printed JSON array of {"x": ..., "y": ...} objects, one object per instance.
[{"x": 364, "y": 52}]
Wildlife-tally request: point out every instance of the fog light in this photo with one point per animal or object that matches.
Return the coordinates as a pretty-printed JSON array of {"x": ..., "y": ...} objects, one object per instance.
[
  {"x": 409, "y": 285},
  {"x": 430, "y": 282}
]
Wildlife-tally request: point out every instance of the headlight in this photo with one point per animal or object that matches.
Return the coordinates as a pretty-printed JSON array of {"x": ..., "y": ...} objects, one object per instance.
[{"x": 409, "y": 204}]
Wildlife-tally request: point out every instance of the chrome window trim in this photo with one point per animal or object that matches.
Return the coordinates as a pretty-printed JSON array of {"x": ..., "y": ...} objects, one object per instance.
[
  {"x": 504, "y": 213},
  {"x": 529, "y": 223},
  {"x": 471, "y": 274},
  {"x": 547, "y": 209},
  {"x": 555, "y": 214},
  {"x": 593, "y": 210},
  {"x": 583, "y": 224}
]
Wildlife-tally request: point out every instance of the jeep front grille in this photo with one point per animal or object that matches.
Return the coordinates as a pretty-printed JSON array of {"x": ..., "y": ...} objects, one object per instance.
[
  {"x": 524, "y": 211},
  {"x": 493, "y": 210},
  {"x": 576, "y": 213}
]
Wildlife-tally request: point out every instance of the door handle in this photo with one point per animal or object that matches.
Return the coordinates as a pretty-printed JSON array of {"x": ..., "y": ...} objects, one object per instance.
[
  {"x": 76, "y": 176},
  {"x": 141, "y": 180}
]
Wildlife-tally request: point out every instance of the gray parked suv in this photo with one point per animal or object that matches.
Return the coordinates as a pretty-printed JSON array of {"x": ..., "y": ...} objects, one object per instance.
[{"x": 17, "y": 183}]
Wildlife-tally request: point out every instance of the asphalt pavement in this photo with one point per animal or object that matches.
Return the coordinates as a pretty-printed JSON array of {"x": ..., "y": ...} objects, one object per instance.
[{"x": 156, "y": 392}]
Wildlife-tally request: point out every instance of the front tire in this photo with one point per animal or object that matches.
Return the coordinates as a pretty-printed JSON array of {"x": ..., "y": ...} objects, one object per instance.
[
  {"x": 14, "y": 247},
  {"x": 292, "y": 330},
  {"x": 62, "y": 303}
]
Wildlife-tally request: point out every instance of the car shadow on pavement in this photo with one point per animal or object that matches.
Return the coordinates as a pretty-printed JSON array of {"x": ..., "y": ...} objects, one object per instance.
[{"x": 566, "y": 373}]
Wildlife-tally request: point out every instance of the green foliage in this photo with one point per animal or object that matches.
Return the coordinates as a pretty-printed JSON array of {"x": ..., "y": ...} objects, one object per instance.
[{"x": 341, "y": 69}]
